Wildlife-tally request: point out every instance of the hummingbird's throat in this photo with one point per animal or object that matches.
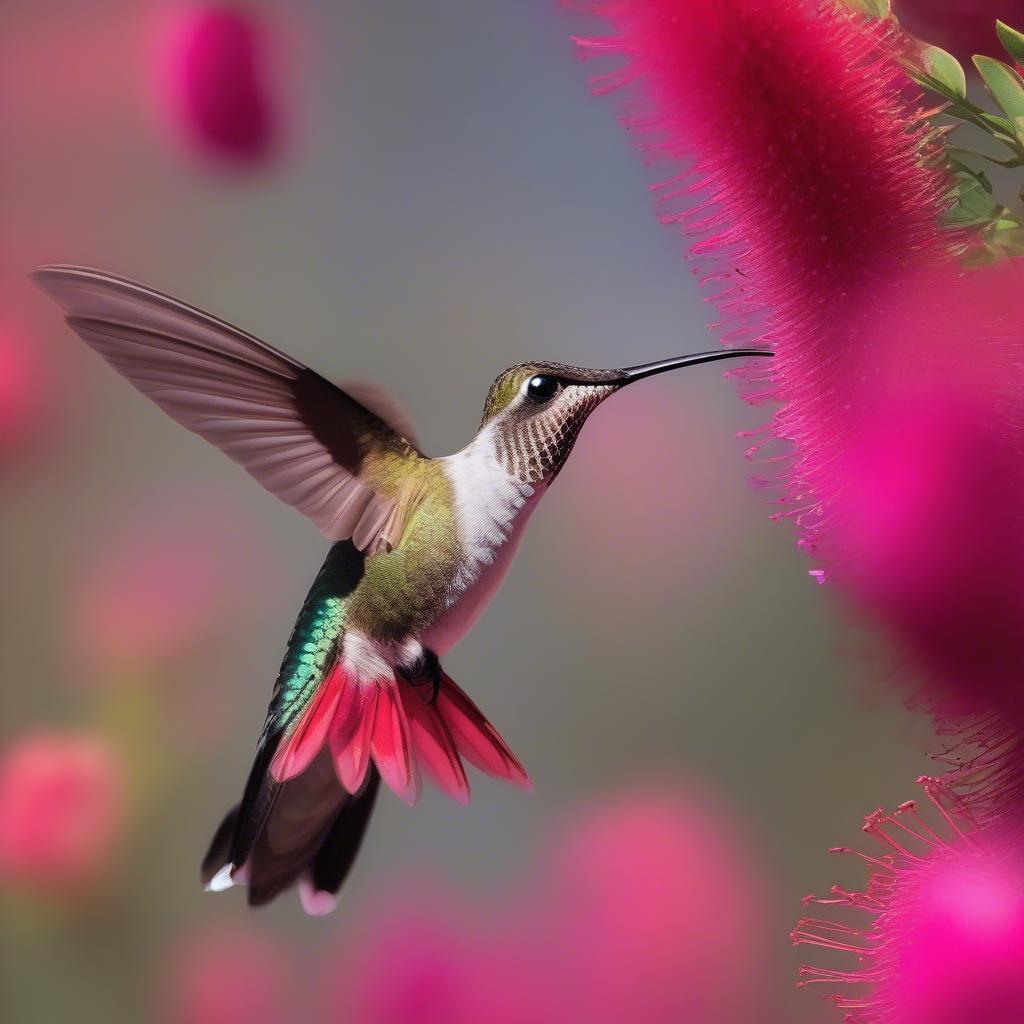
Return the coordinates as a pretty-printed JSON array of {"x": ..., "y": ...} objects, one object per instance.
[{"x": 533, "y": 445}]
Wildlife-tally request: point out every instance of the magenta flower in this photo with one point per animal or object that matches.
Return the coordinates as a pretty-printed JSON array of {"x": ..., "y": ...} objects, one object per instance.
[
  {"x": 430, "y": 959},
  {"x": 926, "y": 526},
  {"x": 61, "y": 813},
  {"x": 219, "y": 79},
  {"x": 938, "y": 934},
  {"x": 899, "y": 374},
  {"x": 644, "y": 909},
  {"x": 654, "y": 912},
  {"x": 804, "y": 172},
  {"x": 226, "y": 976}
]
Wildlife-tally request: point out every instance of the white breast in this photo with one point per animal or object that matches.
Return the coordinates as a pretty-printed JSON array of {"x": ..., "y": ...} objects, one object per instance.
[{"x": 491, "y": 509}]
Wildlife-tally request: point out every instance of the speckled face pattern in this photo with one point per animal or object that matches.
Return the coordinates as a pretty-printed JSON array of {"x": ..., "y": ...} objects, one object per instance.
[{"x": 533, "y": 436}]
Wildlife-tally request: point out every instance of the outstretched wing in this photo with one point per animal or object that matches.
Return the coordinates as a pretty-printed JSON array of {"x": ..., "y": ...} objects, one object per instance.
[{"x": 304, "y": 439}]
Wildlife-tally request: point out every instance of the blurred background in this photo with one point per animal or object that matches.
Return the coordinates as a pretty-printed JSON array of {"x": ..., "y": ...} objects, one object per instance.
[{"x": 419, "y": 194}]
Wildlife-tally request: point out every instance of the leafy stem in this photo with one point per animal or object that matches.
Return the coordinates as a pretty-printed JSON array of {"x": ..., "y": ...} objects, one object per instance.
[{"x": 999, "y": 231}]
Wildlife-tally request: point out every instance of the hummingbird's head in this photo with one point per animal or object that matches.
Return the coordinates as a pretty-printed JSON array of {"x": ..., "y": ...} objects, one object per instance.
[{"x": 536, "y": 410}]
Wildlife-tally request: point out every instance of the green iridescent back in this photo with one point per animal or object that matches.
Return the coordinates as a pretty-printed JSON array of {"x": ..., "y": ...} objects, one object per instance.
[{"x": 315, "y": 638}]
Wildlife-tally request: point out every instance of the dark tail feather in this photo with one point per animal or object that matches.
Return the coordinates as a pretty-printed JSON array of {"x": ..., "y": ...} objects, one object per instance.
[
  {"x": 306, "y": 831},
  {"x": 341, "y": 845},
  {"x": 220, "y": 846}
]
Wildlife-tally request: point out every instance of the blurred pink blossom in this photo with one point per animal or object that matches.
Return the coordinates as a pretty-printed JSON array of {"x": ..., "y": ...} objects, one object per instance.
[
  {"x": 61, "y": 812},
  {"x": 26, "y": 396},
  {"x": 229, "y": 976},
  {"x": 644, "y": 908},
  {"x": 938, "y": 935},
  {"x": 219, "y": 79},
  {"x": 161, "y": 581},
  {"x": 426, "y": 959},
  {"x": 655, "y": 912}
]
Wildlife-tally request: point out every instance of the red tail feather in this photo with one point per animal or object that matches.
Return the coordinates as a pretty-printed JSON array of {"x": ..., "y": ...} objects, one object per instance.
[
  {"x": 478, "y": 741},
  {"x": 390, "y": 722},
  {"x": 391, "y": 745},
  {"x": 352, "y": 755},
  {"x": 296, "y": 753},
  {"x": 435, "y": 747}
]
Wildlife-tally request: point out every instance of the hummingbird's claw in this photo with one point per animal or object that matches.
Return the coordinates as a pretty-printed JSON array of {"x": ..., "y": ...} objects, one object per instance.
[{"x": 426, "y": 669}]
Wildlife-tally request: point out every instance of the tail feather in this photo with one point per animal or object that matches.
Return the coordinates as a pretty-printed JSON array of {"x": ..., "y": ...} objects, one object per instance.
[
  {"x": 435, "y": 748},
  {"x": 477, "y": 740},
  {"x": 307, "y": 738},
  {"x": 393, "y": 725},
  {"x": 313, "y": 784},
  {"x": 310, "y": 837},
  {"x": 303, "y": 813},
  {"x": 218, "y": 854},
  {"x": 340, "y": 847},
  {"x": 350, "y": 749},
  {"x": 391, "y": 745}
]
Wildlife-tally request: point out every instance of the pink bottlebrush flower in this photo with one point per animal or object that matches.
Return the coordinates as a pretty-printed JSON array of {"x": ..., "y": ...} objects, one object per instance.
[
  {"x": 158, "y": 584},
  {"x": 228, "y": 975},
  {"x": 938, "y": 934},
  {"x": 926, "y": 529},
  {"x": 61, "y": 813},
  {"x": 219, "y": 80},
  {"x": 984, "y": 761},
  {"x": 806, "y": 175},
  {"x": 963, "y": 29},
  {"x": 900, "y": 375},
  {"x": 653, "y": 913}
]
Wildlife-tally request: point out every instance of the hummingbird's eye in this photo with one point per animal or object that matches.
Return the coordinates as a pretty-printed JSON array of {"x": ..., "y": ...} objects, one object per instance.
[{"x": 542, "y": 387}]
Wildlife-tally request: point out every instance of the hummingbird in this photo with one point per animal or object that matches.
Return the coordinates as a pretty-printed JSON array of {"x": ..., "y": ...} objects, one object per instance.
[{"x": 419, "y": 547}]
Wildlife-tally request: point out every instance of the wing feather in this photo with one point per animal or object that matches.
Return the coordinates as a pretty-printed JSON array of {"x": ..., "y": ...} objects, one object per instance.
[{"x": 304, "y": 439}]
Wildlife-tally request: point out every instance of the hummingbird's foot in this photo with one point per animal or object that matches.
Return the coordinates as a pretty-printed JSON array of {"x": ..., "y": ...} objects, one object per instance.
[{"x": 426, "y": 669}]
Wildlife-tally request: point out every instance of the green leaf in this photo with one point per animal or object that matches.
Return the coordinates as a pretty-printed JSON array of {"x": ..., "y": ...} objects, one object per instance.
[
  {"x": 975, "y": 206},
  {"x": 945, "y": 69},
  {"x": 1007, "y": 88},
  {"x": 872, "y": 8},
  {"x": 1010, "y": 240},
  {"x": 999, "y": 124},
  {"x": 1012, "y": 40}
]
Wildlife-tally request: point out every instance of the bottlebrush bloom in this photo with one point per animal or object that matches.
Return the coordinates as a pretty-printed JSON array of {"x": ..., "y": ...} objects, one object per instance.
[
  {"x": 218, "y": 78},
  {"x": 654, "y": 912},
  {"x": 228, "y": 975},
  {"x": 926, "y": 529},
  {"x": 900, "y": 375},
  {"x": 809, "y": 181},
  {"x": 938, "y": 934},
  {"x": 61, "y": 812}
]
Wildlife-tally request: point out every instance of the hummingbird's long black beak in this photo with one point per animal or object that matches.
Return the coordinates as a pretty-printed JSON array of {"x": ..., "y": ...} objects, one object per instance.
[{"x": 632, "y": 373}]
